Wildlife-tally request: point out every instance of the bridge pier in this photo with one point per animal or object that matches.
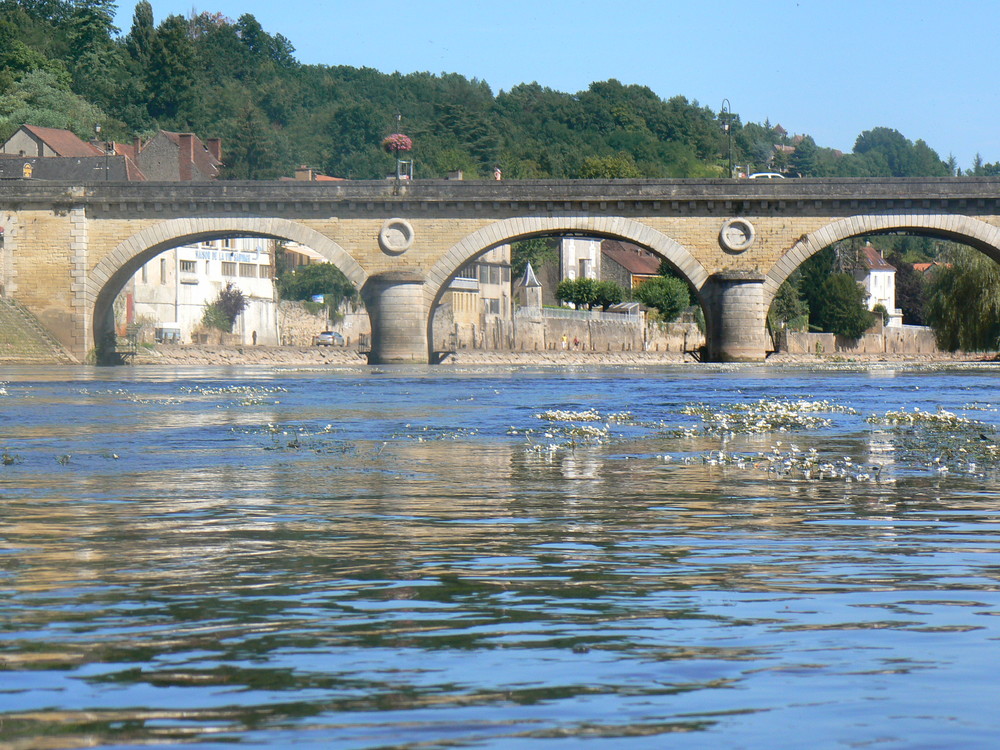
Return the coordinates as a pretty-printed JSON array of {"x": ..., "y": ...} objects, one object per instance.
[
  {"x": 738, "y": 332},
  {"x": 398, "y": 314}
]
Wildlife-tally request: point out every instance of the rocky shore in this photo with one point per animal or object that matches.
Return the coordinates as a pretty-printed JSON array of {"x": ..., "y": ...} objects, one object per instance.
[{"x": 341, "y": 356}]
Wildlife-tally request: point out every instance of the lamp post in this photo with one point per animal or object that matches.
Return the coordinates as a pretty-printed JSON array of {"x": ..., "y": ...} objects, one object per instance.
[{"x": 727, "y": 125}]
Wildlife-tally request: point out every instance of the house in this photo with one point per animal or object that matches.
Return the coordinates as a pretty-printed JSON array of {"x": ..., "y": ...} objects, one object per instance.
[
  {"x": 628, "y": 265},
  {"x": 180, "y": 157},
  {"x": 579, "y": 258},
  {"x": 32, "y": 140},
  {"x": 69, "y": 168},
  {"x": 308, "y": 174},
  {"x": 878, "y": 277},
  {"x": 171, "y": 291}
]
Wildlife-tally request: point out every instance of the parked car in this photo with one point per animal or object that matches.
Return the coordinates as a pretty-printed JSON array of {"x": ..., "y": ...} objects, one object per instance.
[
  {"x": 328, "y": 338},
  {"x": 767, "y": 176}
]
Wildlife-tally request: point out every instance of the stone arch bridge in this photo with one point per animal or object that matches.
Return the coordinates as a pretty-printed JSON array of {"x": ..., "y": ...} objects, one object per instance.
[{"x": 67, "y": 250}]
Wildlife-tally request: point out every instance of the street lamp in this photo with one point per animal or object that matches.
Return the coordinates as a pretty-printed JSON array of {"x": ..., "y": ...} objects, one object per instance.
[{"x": 727, "y": 125}]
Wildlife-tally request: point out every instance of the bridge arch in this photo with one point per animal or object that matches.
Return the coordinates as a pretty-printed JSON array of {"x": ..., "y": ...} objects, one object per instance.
[
  {"x": 108, "y": 277},
  {"x": 520, "y": 228},
  {"x": 965, "y": 229}
]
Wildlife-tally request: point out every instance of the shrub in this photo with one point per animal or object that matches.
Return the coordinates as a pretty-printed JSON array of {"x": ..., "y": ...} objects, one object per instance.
[
  {"x": 223, "y": 311},
  {"x": 667, "y": 295}
]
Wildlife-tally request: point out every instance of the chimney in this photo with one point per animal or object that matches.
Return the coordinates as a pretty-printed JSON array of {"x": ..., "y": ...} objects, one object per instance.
[
  {"x": 137, "y": 145},
  {"x": 185, "y": 156},
  {"x": 214, "y": 146},
  {"x": 304, "y": 174}
]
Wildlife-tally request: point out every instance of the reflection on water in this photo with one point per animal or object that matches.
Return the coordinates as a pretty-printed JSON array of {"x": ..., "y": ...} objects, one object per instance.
[{"x": 413, "y": 558}]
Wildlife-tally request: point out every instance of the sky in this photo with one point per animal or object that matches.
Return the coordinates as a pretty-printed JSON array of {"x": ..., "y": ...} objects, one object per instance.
[{"x": 827, "y": 68}]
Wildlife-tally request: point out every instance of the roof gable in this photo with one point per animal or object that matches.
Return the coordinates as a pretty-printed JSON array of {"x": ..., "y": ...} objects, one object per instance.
[{"x": 63, "y": 142}]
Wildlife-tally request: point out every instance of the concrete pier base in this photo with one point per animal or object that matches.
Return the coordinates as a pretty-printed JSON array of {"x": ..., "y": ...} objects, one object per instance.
[
  {"x": 396, "y": 307},
  {"x": 738, "y": 332}
]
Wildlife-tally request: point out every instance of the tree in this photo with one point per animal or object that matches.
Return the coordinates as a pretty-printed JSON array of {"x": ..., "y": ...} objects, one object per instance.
[
  {"x": 579, "y": 292},
  {"x": 608, "y": 293},
  {"x": 841, "y": 307},
  {"x": 667, "y": 295},
  {"x": 42, "y": 98},
  {"x": 305, "y": 282},
  {"x": 803, "y": 159},
  {"x": 538, "y": 251},
  {"x": 222, "y": 313},
  {"x": 789, "y": 310},
  {"x": 615, "y": 166},
  {"x": 910, "y": 290},
  {"x": 963, "y": 305},
  {"x": 170, "y": 76}
]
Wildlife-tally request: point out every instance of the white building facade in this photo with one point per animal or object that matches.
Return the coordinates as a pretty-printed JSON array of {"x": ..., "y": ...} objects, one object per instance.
[{"x": 170, "y": 293}]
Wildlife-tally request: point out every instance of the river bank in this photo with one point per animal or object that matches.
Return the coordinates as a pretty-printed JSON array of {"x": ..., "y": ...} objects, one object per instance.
[{"x": 342, "y": 356}]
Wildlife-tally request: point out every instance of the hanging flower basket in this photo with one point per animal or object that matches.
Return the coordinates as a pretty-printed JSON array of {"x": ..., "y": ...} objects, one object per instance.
[{"x": 396, "y": 143}]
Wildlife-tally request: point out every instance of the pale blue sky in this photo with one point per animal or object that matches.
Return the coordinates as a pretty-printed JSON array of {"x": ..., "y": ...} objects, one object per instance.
[{"x": 830, "y": 68}]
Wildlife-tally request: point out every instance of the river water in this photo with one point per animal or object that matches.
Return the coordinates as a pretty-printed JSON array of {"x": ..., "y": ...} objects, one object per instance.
[{"x": 688, "y": 557}]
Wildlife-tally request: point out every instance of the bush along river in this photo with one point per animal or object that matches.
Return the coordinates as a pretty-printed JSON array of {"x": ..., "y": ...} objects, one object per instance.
[{"x": 500, "y": 557}]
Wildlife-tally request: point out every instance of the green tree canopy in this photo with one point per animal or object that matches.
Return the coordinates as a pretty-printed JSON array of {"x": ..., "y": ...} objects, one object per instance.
[
  {"x": 305, "y": 282},
  {"x": 841, "y": 307},
  {"x": 667, "y": 295},
  {"x": 963, "y": 305}
]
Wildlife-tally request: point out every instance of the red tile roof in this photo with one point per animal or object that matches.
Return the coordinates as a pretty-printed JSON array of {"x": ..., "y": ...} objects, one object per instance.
[
  {"x": 63, "y": 142},
  {"x": 636, "y": 260},
  {"x": 873, "y": 260}
]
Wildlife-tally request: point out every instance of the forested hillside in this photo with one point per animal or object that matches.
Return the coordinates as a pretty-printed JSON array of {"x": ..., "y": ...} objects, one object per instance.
[{"x": 64, "y": 64}]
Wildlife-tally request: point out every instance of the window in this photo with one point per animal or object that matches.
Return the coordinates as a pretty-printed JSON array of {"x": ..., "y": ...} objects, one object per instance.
[
  {"x": 265, "y": 272},
  {"x": 189, "y": 266},
  {"x": 145, "y": 276},
  {"x": 584, "y": 268},
  {"x": 248, "y": 271},
  {"x": 228, "y": 268},
  {"x": 491, "y": 306},
  {"x": 163, "y": 270}
]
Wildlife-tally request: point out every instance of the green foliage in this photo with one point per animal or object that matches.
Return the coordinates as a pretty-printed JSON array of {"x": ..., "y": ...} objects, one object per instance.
[
  {"x": 900, "y": 157},
  {"x": 304, "y": 282},
  {"x": 43, "y": 98},
  {"x": 539, "y": 251},
  {"x": 579, "y": 292},
  {"x": 667, "y": 295},
  {"x": 911, "y": 294},
  {"x": 841, "y": 308},
  {"x": 963, "y": 304},
  {"x": 880, "y": 312},
  {"x": 789, "y": 310},
  {"x": 608, "y": 293},
  {"x": 233, "y": 79},
  {"x": 620, "y": 165},
  {"x": 223, "y": 311}
]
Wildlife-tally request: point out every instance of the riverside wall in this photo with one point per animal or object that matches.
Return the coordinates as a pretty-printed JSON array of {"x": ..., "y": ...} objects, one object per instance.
[{"x": 895, "y": 340}]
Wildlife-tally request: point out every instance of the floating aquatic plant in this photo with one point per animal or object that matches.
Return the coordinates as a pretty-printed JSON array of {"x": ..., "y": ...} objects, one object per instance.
[
  {"x": 765, "y": 415},
  {"x": 938, "y": 420}
]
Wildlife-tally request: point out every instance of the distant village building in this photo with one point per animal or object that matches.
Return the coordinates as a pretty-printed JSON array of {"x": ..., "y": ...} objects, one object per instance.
[
  {"x": 480, "y": 293},
  {"x": 180, "y": 157},
  {"x": 878, "y": 277},
  {"x": 628, "y": 265},
  {"x": 169, "y": 293},
  {"x": 580, "y": 258}
]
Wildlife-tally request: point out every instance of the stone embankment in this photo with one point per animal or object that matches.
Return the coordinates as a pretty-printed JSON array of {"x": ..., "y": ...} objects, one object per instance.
[{"x": 349, "y": 356}]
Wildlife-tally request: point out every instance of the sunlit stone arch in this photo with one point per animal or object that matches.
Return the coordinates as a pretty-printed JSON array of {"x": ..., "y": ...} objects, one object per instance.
[
  {"x": 511, "y": 230},
  {"x": 974, "y": 232},
  {"x": 108, "y": 277}
]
